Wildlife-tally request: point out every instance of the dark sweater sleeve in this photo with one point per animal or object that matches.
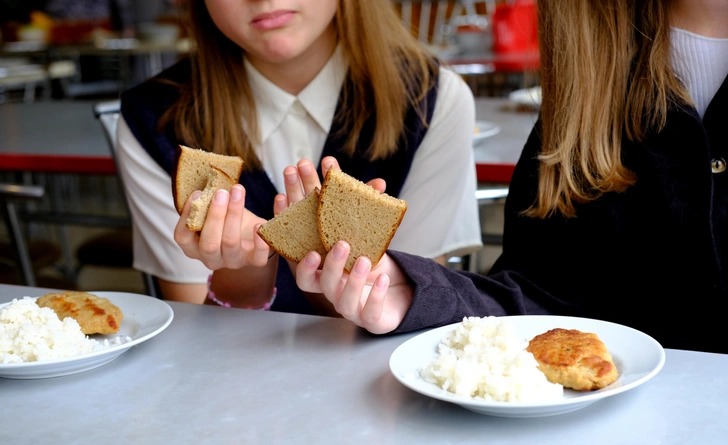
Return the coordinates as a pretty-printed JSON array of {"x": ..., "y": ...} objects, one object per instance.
[
  {"x": 525, "y": 280},
  {"x": 444, "y": 296}
]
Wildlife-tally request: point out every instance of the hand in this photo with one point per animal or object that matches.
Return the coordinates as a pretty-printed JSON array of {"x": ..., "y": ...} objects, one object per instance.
[
  {"x": 303, "y": 179},
  {"x": 376, "y": 300},
  {"x": 228, "y": 238}
]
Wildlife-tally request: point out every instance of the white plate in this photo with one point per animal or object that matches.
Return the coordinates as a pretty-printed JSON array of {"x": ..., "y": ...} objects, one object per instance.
[
  {"x": 485, "y": 130},
  {"x": 637, "y": 356},
  {"x": 530, "y": 97},
  {"x": 144, "y": 317}
]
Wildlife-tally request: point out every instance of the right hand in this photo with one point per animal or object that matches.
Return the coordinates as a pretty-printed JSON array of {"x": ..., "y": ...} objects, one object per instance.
[{"x": 228, "y": 238}]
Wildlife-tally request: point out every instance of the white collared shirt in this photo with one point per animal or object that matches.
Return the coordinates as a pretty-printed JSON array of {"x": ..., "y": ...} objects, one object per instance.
[
  {"x": 442, "y": 213},
  {"x": 295, "y": 127}
]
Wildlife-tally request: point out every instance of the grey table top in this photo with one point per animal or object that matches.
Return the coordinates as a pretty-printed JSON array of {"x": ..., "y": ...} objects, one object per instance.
[
  {"x": 54, "y": 127},
  {"x": 234, "y": 376}
]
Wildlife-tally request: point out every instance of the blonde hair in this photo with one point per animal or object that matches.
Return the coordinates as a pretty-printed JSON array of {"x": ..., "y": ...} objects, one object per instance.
[
  {"x": 605, "y": 69},
  {"x": 388, "y": 72}
]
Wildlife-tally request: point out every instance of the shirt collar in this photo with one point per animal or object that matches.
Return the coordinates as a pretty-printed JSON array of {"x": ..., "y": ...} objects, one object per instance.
[{"x": 319, "y": 98}]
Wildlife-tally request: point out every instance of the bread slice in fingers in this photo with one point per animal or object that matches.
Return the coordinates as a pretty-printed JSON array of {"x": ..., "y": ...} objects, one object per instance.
[
  {"x": 193, "y": 171},
  {"x": 293, "y": 233},
  {"x": 355, "y": 212},
  {"x": 216, "y": 180}
]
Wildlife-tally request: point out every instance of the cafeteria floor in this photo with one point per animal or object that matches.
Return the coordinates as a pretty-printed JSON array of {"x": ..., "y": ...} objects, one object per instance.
[{"x": 100, "y": 196}]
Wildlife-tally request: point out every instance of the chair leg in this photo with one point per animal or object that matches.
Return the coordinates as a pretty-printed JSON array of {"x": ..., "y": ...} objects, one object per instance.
[
  {"x": 150, "y": 287},
  {"x": 18, "y": 241}
]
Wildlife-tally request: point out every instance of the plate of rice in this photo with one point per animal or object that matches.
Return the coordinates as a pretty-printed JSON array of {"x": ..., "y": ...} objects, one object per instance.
[
  {"x": 481, "y": 364},
  {"x": 35, "y": 344}
]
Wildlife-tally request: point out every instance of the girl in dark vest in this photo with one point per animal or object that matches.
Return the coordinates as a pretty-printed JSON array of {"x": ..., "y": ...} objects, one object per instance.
[
  {"x": 294, "y": 88},
  {"x": 618, "y": 207}
]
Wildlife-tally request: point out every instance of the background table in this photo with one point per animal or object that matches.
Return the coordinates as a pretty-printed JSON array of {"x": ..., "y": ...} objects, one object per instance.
[
  {"x": 64, "y": 137},
  {"x": 221, "y": 375},
  {"x": 496, "y": 156},
  {"x": 53, "y": 137}
]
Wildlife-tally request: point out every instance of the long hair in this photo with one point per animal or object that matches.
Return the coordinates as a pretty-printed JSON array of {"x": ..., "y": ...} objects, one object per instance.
[
  {"x": 605, "y": 69},
  {"x": 388, "y": 71}
]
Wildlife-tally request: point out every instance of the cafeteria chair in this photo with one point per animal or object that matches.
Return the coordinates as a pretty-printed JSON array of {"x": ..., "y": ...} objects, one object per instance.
[
  {"x": 114, "y": 248},
  {"x": 487, "y": 195},
  {"x": 20, "y": 256}
]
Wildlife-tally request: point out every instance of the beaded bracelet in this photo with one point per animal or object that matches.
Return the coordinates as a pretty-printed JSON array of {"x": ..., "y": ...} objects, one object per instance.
[{"x": 211, "y": 296}]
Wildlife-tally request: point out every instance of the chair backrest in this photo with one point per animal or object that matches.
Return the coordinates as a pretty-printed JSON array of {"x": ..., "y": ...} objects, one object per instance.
[
  {"x": 107, "y": 113},
  {"x": 427, "y": 19}
]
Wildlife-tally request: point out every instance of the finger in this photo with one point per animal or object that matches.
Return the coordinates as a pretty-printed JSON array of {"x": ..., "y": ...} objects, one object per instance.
[
  {"x": 211, "y": 235},
  {"x": 327, "y": 163},
  {"x": 294, "y": 191},
  {"x": 280, "y": 203},
  {"x": 378, "y": 184},
  {"x": 373, "y": 309},
  {"x": 333, "y": 270},
  {"x": 309, "y": 176},
  {"x": 306, "y": 272},
  {"x": 261, "y": 250},
  {"x": 230, "y": 242},
  {"x": 349, "y": 304},
  {"x": 186, "y": 238}
]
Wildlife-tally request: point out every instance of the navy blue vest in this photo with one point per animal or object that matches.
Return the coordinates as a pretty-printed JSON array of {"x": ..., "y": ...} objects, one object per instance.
[{"x": 143, "y": 105}]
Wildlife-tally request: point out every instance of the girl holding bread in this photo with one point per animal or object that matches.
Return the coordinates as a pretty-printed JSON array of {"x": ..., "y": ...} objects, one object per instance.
[
  {"x": 294, "y": 87},
  {"x": 618, "y": 207}
]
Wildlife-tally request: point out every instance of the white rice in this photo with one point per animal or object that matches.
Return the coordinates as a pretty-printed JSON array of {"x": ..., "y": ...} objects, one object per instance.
[
  {"x": 484, "y": 358},
  {"x": 30, "y": 333}
]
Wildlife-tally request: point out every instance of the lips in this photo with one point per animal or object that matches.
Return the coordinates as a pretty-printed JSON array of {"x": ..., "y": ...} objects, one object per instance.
[{"x": 272, "y": 20}]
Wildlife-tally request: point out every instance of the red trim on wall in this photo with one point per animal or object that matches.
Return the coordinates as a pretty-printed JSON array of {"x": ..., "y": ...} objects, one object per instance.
[
  {"x": 94, "y": 165},
  {"x": 494, "y": 172}
]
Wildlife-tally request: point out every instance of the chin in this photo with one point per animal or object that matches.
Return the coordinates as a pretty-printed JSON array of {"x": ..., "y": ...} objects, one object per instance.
[{"x": 280, "y": 51}]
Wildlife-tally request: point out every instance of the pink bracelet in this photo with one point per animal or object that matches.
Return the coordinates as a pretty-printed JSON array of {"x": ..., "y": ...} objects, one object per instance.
[{"x": 211, "y": 296}]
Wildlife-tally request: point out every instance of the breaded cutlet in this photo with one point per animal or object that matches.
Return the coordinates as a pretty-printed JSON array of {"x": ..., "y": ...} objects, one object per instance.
[
  {"x": 575, "y": 359},
  {"x": 95, "y": 315}
]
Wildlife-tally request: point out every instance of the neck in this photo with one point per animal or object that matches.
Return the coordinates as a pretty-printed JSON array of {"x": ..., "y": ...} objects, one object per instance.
[
  {"x": 707, "y": 18},
  {"x": 293, "y": 75}
]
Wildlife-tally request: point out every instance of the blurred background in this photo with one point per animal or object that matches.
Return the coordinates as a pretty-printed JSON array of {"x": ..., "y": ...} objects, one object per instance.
[{"x": 62, "y": 60}]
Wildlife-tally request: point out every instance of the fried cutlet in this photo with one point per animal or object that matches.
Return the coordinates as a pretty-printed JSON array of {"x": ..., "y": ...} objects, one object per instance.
[
  {"x": 575, "y": 359},
  {"x": 95, "y": 315}
]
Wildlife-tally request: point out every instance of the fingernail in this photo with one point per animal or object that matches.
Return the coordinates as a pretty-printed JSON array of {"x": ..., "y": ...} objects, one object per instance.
[
  {"x": 382, "y": 281},
  {"x": 196, "y": 194},
  {"x": 306, "y": 168},
  {"x": 221, "y": 197},
  {"x": 361, "y": 267},
  {"x": 311, "y": 260},
  {"x": 236, "y": 194},
  {"x": 339, "y": 251},
  {"x": 291, "y": 177}
]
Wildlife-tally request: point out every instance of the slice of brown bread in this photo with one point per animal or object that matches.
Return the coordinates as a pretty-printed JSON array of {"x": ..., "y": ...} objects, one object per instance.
[
  {"x": 294, "y": 232},
  {"x": 352, "y": 211},
  {"x": 216, "y": 179},
  {"x": 193, "y": 170}
]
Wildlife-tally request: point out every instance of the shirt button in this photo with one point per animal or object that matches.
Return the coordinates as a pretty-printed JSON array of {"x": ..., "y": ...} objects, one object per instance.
[{"x": 718, "y": 165}]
